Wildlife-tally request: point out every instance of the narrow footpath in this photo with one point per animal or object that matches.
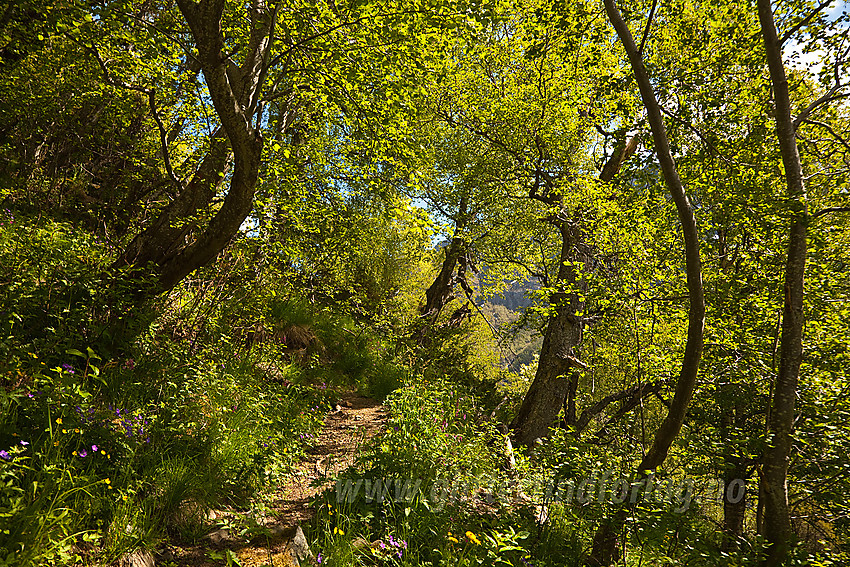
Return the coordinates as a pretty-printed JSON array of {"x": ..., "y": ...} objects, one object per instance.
[{"x": 346, "y": 431}]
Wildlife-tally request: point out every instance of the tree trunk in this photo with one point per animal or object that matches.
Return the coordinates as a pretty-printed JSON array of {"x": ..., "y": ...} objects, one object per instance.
[
  {"x": 734, "y": 505},
  {"x": 734, "y": 497},
  {"x": 439, "y": 294},
  {"x": 165, "y": 236},
  {"x": 553, "y": 382},
  {"x": 550, "y": 387},
  {"x": 173, "y": 250},
  {"x": 605, "y": 540},
  {"x": 777, "y": 521}
]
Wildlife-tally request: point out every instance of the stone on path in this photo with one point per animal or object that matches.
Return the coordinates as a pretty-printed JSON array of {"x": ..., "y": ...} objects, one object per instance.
[{"x": 138, "y": 558}]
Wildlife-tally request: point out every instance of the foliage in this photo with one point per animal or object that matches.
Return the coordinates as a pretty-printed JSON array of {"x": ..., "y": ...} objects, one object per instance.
[{"x": 387, "y": 132}]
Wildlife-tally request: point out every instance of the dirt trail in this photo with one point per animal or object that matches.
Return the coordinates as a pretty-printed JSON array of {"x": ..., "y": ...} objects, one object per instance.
[{"x": 346, "y": 431}]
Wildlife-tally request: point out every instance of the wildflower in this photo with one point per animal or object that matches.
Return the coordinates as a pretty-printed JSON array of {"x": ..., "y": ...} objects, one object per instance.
[
  {"x": 319, "y": 557},
  {"x": 56, "y": 443},
  {"x": 338, "y": 531},
  {"x": 64, "y": 431},
  {"x": 102, "y": 452},
  {"x": 67, "y": 368},
  {"x": 107, "y": 480},
  {"x": 472, "y": 538},
  {"x": 84, "y": 454},
  {"x": 94, "y": 448},
  {"x": 452, "y": 539},
  {"x": 74, "y": 453},
  {"x": 59, "y": 420},
  {"x": 24, "y": 443},
  {"x": 5, "y": 456}
]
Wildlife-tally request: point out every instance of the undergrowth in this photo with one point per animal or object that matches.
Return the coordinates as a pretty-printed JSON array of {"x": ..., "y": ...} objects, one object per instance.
[{"x": 122, "y": 426}]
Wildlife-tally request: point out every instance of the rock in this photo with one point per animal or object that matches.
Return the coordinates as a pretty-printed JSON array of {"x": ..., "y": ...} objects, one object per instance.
[
  {"x": 359, "y": 543},
  {"x": 218, "y": 536},
  {"x": 298, "y": 548},
  {"x": 191, "y": 513},
  {"x": 138, "y": 558}
]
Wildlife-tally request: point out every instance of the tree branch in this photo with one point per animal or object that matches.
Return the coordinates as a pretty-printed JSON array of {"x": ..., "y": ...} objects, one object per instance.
[
  {"x": 829, "y": 96},
  {"x": 648, "y": 24},
  {"x": 787, "y": 35},
  {"x": 151, "y": 95},
  {"x": 831, "y": 210},
  {"x": 829, "y": 129},
  {"x": 633, "y": 394}
]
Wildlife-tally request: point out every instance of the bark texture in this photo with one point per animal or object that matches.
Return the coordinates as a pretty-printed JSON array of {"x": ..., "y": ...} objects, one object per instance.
[
  {"x": 777, "y": 520},
  {"x": 550, "y": 387},
  {"x": 556, "y": 379}
]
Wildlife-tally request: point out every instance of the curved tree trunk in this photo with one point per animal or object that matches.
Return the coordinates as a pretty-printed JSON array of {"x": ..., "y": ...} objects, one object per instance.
[
  {"x": 171, "y": 245},
  {"x": 605, "y": 540}
]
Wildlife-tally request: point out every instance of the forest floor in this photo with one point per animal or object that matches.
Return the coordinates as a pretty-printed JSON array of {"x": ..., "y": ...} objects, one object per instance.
[{"x": 346, "y": 431}]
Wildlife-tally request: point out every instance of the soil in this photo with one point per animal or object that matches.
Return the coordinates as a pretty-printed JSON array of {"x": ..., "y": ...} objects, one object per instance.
[{"x": 347, "y": 429}]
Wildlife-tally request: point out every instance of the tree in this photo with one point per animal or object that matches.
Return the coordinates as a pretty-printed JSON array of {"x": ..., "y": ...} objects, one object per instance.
[{"x": 605, "y": 540}]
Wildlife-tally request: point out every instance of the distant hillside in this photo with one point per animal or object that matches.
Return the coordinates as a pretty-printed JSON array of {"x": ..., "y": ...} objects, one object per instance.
[{"x": 506, "y": 308}]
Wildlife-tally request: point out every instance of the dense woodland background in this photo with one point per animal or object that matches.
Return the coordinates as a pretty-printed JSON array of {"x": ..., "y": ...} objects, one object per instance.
[{"x": 616, "y": 233}]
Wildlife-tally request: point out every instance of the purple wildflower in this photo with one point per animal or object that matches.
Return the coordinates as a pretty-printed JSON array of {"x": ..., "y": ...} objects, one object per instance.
[
  {"x": 83, "y": 454},
  {"x": 67, "y": 368},
  {"x": 5, "y": 456},
  {"x": 94, "y": 448},
  {"x": 24, "y": 443}
]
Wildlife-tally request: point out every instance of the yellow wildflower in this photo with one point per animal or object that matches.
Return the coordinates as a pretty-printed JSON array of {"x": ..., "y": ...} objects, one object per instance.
[
  {"x": 64, "y": 431},
  {"x": 338, "y": 531},
  {"x": 59, "y": 420},
  {"x": 472, "y": 538},
  {"x": 452, "y": 539}
]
